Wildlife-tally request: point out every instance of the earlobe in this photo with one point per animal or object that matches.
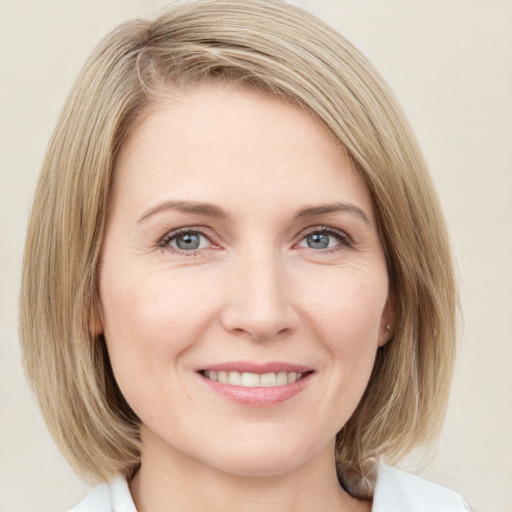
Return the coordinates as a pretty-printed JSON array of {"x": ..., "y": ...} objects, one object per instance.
[
  {"x": 387, "y": 322},
  {"x": 96, "y": 321}
]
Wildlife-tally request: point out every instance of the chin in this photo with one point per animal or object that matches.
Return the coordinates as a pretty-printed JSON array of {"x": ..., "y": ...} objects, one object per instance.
[
  {"x": 263, "y": 466},
  {"x": 269, "y": 458}
]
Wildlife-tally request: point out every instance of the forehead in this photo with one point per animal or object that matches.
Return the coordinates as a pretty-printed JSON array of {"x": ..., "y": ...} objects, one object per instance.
[{"x": 216, "y": 141}]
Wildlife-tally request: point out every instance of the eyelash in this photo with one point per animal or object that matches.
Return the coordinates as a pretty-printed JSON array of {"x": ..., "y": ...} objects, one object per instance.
[
  {"x": 345, "y": 241},
  {"x": 172, "y": 235}
]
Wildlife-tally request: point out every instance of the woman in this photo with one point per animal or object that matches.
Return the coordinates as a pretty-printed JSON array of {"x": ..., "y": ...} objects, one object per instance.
[{"x": 238, "y": 288}]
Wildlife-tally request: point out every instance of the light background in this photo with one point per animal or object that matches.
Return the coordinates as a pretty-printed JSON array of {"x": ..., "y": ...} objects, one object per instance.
[{"x": 450, "y": 64}]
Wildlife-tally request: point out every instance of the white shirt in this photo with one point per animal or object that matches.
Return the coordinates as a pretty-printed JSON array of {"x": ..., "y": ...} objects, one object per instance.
[{"x": 396, "y": 491}]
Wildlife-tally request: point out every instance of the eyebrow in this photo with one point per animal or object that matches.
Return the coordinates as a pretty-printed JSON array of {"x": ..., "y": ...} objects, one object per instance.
[
  {"x": 211, "y": 210},
  {"x": 311, "y": 211},
  {"x": 207, "y": 209}
]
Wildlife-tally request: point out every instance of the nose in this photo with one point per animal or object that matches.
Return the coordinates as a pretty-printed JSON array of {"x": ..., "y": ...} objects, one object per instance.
[{"x": 259, "y": 301}]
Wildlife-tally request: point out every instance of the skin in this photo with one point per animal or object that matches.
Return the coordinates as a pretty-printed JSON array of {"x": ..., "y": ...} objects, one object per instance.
[{"x": 253, "y": 291}]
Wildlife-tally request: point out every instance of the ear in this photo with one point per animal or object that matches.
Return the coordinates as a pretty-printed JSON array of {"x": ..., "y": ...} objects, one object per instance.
[
  {"x": 387, "y": 322},
  {"x": 96, "y": 320}
]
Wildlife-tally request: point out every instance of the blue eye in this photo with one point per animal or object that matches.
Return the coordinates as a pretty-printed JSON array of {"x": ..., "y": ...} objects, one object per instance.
[
  {"x": 325, "y": 238},
  {"x": 187, "y": 241},
  {"x": 318, "y": 240}
]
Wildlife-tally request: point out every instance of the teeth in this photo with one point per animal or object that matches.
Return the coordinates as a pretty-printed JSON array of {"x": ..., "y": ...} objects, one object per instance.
[
  {"x": 250, "y": 380},
  {"x": 268, "y": 380},
  {"x": 234, "y": 378},
  {"x": 282, "y": 379},
  {"x": 253, "y": 380}
]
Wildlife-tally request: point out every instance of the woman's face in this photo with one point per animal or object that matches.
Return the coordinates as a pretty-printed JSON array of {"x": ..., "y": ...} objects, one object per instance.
[{"x": 243, "y": 284}]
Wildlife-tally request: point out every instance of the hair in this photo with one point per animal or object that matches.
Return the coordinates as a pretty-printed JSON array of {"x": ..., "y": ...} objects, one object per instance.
[{"x": 284, "y": 51}]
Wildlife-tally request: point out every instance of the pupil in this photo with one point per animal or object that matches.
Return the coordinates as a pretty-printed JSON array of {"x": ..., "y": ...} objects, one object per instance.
[
  {"x": 188, "y": 242},
  {"x": 318, "y": 241}
]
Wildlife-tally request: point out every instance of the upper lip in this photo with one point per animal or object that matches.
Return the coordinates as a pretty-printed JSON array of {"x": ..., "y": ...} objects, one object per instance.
[{"x": 254, "y": 367}]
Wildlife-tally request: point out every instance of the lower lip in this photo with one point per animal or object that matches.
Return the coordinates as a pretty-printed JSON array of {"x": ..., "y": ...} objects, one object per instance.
[{"x": 260, "y": 396}]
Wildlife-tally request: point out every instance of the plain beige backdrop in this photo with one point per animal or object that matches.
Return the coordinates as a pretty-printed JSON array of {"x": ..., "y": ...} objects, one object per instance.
[{"x": 450, "y": 64}]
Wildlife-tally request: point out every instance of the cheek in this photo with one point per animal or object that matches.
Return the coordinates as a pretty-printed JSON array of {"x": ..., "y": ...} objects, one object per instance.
[
  {"x": 153, "y": 317},
  {"x": 348, "y": 321},
  {"x": 347, "y": 306},
  {"x": 152, "y": 321}
]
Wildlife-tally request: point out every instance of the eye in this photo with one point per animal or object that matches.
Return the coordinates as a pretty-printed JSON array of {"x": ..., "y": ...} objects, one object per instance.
[
  {"x": 186, "y": 240},
  {"x": 320, "y": 241},
  {"x": 325, "y": 238}
]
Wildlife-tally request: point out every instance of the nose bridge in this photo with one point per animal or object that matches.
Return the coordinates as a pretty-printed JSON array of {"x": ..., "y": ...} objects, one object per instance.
[{"x": 258, "y": 302}]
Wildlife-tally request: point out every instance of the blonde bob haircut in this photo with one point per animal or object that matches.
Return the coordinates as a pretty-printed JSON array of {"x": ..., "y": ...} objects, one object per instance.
[{"x": 286, "y": 52}]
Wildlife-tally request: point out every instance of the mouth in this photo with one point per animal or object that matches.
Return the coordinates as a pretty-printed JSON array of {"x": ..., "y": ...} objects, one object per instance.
[
  {"x": 256, "y": 385},
  {"x": 252, "y": 379}
]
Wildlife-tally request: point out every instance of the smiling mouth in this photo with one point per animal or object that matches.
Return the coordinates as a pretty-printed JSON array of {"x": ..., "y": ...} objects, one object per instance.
[{"x": 254, "y": 380}]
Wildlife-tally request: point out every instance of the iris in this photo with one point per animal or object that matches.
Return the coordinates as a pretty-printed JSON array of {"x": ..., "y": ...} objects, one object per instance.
[
  {"x": 188, "y": 241},
  {"x": 318, "y": 240}
]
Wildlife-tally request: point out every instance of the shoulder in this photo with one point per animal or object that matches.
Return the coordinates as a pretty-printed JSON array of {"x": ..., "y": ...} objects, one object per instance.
[
  {"x": 397, "y": 491},
  {"x": 111, "y": 497}
]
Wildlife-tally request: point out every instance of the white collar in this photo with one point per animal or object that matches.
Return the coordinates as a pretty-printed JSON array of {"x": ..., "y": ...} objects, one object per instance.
[{"x": 396, "y": 491}]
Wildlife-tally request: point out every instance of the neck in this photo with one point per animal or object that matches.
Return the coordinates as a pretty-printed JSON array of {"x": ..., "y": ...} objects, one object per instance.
[{"x": 169, "y": 480}]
